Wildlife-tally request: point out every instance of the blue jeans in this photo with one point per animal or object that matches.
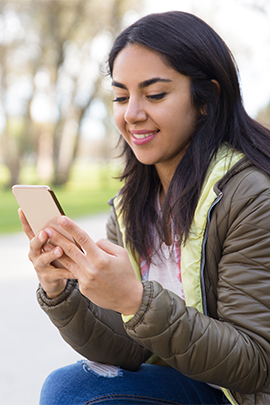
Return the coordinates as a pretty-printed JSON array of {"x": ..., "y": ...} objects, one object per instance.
[{"x": 86, "y": 383}]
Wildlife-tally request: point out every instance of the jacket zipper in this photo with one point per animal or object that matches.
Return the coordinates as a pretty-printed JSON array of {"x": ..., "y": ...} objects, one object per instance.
[{"x": 215, "y": 202}]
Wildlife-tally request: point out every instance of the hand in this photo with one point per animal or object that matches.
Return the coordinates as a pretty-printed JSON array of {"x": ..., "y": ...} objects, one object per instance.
[
  {"x": 103, "y": 270},
  {"x": 53, "y": 280}
]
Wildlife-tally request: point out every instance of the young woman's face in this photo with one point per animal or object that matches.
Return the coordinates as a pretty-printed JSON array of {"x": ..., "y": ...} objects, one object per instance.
[{"x": 152, "y": 108}]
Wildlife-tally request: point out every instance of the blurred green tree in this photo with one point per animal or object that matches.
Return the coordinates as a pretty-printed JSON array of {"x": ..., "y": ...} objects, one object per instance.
[{"x": 51, "y": 56}]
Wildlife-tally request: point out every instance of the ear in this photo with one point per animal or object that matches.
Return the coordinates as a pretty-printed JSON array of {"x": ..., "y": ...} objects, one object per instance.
[{"x": 217, "y": 88}]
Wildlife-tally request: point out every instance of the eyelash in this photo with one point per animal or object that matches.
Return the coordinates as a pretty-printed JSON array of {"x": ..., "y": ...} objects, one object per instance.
[
  {"x": 119, "y": 99},
  {"x": 159, "y": 96}
]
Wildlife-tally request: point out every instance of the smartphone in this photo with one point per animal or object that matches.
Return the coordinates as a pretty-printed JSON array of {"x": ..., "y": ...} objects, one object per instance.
[{"x": 40, "y": 207}]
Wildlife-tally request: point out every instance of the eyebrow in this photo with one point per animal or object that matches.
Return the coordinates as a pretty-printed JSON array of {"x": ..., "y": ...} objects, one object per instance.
[{"x": 143, "y": 84}]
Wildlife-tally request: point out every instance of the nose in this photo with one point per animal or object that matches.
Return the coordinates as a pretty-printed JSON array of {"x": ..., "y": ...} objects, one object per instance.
[{"x": 135, "y": 111}]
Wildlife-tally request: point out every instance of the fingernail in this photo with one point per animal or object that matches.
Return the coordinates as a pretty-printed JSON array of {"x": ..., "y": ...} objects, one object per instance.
[
  {"x": 62, "y": 221},
  {"x": 57, "y": 251},
  {"x": 48, "y": 232},
  {"x": 41, "y": 236}
]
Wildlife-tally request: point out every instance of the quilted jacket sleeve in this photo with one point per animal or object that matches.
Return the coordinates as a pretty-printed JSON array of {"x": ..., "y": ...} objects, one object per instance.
[
  {"x": 232, "y": 351},
  {"x": 95, "y": 333}
]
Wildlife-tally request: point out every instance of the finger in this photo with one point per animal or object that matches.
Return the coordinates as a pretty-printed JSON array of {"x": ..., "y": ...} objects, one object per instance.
[
  {"x": 25, "y": 225},
  {"x": 38, "y": 241},
  {"x": 48, "y": 247},
  {"x": 71, "y": 252},
  {"x": 37, "y": 246},
  {"x": 109, "y": 247},
  {"x": 50, "y": 261},
  {"x": 46, "y": 258},
  {"x": 66, "y": 263},
  {"x": 80, "y": 236}
]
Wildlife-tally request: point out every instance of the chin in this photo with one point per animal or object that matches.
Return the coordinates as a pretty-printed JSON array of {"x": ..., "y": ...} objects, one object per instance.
[{"x": 146, "y": 160}]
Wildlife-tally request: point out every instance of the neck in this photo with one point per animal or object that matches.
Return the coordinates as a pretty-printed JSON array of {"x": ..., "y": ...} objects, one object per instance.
[{"x": 165, "y": 177}]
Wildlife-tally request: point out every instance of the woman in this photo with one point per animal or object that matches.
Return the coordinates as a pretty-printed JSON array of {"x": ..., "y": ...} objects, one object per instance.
[{"x": 186, "y": 262}]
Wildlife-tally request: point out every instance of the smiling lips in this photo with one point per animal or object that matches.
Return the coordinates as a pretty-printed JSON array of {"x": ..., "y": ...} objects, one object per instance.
[{"x": 143, "y": 137}]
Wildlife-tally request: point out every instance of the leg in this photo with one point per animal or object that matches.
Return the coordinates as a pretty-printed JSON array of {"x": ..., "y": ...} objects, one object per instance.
[{"x": 86, "y": 383}]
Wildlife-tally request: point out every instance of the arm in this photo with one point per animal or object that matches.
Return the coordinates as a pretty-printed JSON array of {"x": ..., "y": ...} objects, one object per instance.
[
  {"x": 95, "y": 333},
  {"x": 232, "y": 351}
]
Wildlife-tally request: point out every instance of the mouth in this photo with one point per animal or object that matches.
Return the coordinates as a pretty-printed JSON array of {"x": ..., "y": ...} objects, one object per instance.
[{"x": 142, "y": 137}]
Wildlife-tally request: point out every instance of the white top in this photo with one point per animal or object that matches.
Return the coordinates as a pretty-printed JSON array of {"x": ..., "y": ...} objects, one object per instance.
[
  {"x": 164, "y": 268},
  {"x": 166, "y": 271}
]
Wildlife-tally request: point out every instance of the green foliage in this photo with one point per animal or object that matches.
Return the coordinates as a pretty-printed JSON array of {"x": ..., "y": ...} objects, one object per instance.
[{"x": 87, "y": 192}]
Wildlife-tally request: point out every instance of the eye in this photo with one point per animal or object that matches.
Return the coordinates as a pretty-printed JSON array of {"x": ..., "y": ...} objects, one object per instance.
[
  {"x": 157, "y": 96},
  {"x": 120, "y": 99}
]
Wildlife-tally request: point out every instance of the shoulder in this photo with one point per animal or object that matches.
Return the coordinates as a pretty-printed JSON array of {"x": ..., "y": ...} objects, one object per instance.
[
  {"x": 251, "y": 181},
  {"x": 247, "y": 188},
  {"x": 243, "y": 211},
  {"x": 243, "y": 177}
]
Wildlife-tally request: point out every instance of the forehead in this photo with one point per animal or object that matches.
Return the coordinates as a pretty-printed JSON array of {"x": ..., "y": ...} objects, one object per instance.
[{"x": 136, "y": 62}]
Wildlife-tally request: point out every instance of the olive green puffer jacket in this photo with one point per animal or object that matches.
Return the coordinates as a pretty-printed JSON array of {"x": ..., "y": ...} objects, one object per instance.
[{"x": 226, "y": 345}]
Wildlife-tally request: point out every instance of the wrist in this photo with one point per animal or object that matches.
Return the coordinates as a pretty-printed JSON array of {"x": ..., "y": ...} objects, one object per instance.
[
  {"x": 55, "y": 292},
  {"x": 147, "y": 298},
  {"x": 45, "y": 301},
  {"x": 136, "y": 302}
]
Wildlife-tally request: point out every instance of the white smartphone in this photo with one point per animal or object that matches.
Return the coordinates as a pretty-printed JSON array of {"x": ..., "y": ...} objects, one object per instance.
[{"x": 40, "y": 207}]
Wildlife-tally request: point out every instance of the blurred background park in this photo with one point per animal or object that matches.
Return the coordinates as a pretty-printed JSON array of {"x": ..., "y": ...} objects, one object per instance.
[{"x": 56, "y": 123}]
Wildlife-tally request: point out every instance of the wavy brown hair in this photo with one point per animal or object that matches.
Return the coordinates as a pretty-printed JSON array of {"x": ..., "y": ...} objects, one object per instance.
[{"x": 194, "y": 49}]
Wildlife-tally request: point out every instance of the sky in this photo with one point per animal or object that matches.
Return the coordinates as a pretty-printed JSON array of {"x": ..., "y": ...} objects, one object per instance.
[{"x": 245, "y": 29}]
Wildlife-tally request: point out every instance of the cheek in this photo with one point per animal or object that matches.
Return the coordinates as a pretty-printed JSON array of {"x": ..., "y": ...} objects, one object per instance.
[{"x": 187, "y": 120}]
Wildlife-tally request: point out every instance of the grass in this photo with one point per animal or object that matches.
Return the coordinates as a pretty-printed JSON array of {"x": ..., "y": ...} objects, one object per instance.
[{"x": 87, "y": 192}]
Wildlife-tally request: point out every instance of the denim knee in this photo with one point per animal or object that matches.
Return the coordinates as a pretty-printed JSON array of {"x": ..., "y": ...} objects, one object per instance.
[{"x": 74, "y": 384}]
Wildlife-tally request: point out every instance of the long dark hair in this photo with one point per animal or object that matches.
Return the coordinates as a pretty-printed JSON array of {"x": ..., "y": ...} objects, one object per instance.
[{"x": 194, "y": 49}]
